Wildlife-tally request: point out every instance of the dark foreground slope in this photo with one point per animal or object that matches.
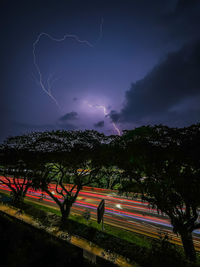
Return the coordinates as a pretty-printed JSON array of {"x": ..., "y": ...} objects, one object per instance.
[{"x": 23, "y": 245}]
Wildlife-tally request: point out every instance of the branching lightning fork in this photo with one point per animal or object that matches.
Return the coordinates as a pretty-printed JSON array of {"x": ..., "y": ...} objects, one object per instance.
[
  {"x": 40, "y": 80},
  {"x": 47, "y": 89},
  {"x": 106, "y": 113}
]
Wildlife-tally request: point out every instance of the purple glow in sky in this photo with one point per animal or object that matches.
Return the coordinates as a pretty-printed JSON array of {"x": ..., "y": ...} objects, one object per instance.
[
  {"x": 139, "y": 59},
  {"x": 47, "y": 86}
]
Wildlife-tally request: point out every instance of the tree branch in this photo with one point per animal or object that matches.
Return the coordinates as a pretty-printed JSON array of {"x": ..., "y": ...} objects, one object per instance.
[{"x": 53, "y": 197}]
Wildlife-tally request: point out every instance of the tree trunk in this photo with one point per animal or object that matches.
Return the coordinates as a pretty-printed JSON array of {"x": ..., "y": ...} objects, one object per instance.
[
  {"x": 188, "y": 245},
  {"x": 17, "y": 198},
  {"x": 65, "y": 211}
]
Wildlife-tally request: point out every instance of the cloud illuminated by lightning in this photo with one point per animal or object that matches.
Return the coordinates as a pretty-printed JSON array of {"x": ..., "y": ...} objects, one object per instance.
[
  {"x": 47, "y": 89},
  {"x": 106, "y": 113},
  {"x": 40, "y": 80}
]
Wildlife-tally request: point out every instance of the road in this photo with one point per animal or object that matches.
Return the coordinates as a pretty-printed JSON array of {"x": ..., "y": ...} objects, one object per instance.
[{"x": 132, "y": 215}]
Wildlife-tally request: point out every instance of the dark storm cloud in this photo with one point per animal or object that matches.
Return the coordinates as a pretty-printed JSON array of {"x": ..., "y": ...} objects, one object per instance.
[
  {"x": 99, "y": 124},
  {"x": 181, "y": 119},
  {"x": 182, "y": 5},
  {"x": 114, "y": 115},
  {"x": 69, "y": 116},
  {"x": 182, "y": 23},
  {"x": 165, "y": 89},
  {"x": 64, "y": 122}
]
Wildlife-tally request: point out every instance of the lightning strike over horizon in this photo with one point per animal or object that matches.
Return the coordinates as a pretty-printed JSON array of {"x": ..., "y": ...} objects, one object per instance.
[
  {"x": 40, "y": 81},
  {"x": 106, "y": 113}
]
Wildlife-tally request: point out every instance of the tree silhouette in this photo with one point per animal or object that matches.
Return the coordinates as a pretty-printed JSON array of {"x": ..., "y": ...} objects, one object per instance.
[{"x": 163, "y": 164}]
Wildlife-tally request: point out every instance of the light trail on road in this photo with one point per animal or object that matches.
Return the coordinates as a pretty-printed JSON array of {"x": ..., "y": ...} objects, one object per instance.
[{"x": 128, "y": 214}]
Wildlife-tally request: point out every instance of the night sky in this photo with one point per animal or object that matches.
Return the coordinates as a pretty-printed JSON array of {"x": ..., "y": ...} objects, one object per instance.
[{"x": 118, "y": 64}]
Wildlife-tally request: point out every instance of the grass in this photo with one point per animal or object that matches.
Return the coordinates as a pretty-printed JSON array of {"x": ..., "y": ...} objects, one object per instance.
[
  {"x": 109, "y": 229},
  {"x": 129, "y": 236},
  {"x": 44, "y": 208}
]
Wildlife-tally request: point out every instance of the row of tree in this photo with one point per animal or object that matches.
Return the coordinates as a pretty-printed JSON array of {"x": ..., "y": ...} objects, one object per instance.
[
  {"x": 162, "y": 164},
  {"x": 40, "y": 160}
]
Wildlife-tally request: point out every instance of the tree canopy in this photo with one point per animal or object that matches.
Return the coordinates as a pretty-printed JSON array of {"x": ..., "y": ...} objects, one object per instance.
[{"x": 164, "y": 165}]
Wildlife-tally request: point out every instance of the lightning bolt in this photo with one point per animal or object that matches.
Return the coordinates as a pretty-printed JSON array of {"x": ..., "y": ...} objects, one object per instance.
[
  {"x": 100, "y": 30},
  {"x": 40, "y": 80},
  {"x": 116, "y": 128},
  {"x": 47, "y": 89},
  {"x": 106, "y": 113}
]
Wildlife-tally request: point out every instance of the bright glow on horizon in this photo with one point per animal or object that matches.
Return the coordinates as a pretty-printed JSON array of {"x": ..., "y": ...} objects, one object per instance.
[{"x": 106, "y": 113}]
